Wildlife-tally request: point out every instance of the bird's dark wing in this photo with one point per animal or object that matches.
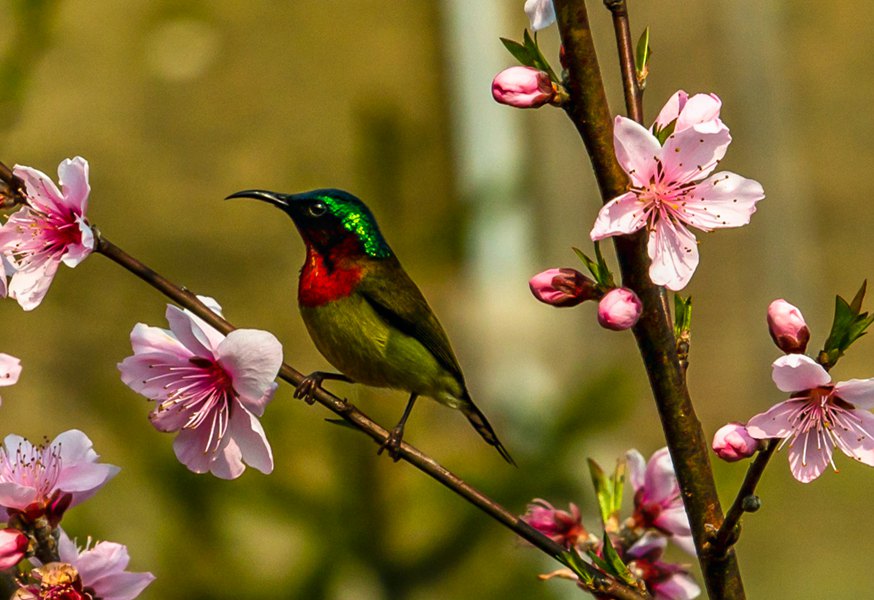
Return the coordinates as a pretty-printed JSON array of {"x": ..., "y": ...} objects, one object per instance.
[{"x": 396, "y": 299}]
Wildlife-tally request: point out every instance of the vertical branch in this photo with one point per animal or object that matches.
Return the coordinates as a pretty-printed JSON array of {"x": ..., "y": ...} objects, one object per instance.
[
  {"x": 625, "y": 48},
  {"x": 590, "y": 113}
]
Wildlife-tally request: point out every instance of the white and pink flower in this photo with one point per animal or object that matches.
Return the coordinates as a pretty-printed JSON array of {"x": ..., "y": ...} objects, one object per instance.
[
  {"x": 13, "y": 547},
  {"x": 48, "y": 479},
  {"x": 541, "y": 13},
  {"x": 672, "y": 186},
  {"x": 51, "y": 229},
  {"x": 666, "y": 581},
  {"x": 209, "y": 387},
  {"x": 657, "y": 500},
  {"x": 10, "y": 369},
  {"x": 818, "y": 417}
]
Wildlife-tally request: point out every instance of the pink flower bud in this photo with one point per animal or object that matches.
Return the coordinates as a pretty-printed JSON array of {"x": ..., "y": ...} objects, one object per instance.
[
  {"x": 787, "y": 326},
  {"x": 733, "y": 442},
  {"x": 523, "y": 87},
  {"x": 562, "y": 287},
  {"x": 559, "y": 525},
  {"x": 13, "y": 545},
  {"x": 619, "y": 309}
]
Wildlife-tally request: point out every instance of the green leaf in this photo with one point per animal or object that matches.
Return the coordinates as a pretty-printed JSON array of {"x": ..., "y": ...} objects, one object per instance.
[
  {"x": 599, "y": 269},
  {"x": 663, "y": 134},
  {"x": 617, "y": 567},
  {"x": 575, "y": 563},
  {"x": 682, "y": 315},
  {"x": 600, "y": 562},
  {"x": 618, "y": 485},
  {"x": 849, "y": 324},
  {"x": 603, "y": 490},
  {"x": 540, "y": 61},
  {"x": 641, "y": 56},
  {"x": 519, "y": 52}
]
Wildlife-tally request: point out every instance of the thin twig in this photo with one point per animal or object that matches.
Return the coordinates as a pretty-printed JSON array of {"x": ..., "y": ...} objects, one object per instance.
[
  {"x": 591, "y": 115},
  {"x": 625, "y": 47},
  {"x": 360, "y": 421},
  {"x": 729, "y": 531}
]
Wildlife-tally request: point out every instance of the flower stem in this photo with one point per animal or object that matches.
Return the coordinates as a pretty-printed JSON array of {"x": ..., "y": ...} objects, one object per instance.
[
  {"x": 729, "y": 531},
  {"x": 625, "y": 48},
  {"x": 589, "y": 112},
  {"x": 360, "y": 421}
]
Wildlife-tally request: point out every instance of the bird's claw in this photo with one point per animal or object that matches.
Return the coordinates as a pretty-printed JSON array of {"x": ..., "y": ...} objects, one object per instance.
[
  {"x": 307, "y": 388},
  {"x": 392, "y": 444}
]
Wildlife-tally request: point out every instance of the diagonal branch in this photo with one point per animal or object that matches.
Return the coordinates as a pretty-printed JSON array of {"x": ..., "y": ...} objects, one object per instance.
[
  {"x": 602, "y": 585},
  {"x": 590, "y": 113}
]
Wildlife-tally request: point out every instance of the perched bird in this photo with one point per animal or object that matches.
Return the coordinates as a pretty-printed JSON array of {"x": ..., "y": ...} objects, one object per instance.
[{"x": 365, "y": 314}]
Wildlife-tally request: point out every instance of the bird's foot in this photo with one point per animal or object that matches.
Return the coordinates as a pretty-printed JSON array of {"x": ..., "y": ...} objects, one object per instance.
[
  {"x": 306, "y": 389},
  {"x": 392, "y": 443}
]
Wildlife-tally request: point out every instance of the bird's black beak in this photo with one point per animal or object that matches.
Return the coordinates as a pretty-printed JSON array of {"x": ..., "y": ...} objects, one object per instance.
[{"x": 274, "y": 198}]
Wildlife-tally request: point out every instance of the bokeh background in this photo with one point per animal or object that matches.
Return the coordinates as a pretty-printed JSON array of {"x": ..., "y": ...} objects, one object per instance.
[{"x": 177, "y": 104}]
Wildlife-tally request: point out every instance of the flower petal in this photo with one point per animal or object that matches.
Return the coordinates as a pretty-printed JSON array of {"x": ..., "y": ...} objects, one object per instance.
[
  {"x": 190, "y": 448},
  {"x": 190, "y": 330},
  {"x": 691, "y": 155},
  {"x": 252, "y": 358},
  {"x": 29, "y": 286},
  {"x": 76, "y": 253},
  {"x": 249, "y": 435},
  {"x": 797, "y": 372},
  {"x": 671, "y": 110},
  {"x": 679, "y": 586},
  {"x": 701, "y": 112},
  {"x": 722, "y": 200},
  {"x": 858, "y": 392},
  {"x": 10, "y": 369},
  {"x": 854, "y": 431},
  {"x": 776, "y": 422},
  {"x": 674, "y": 253},
  {"x": 636, "y": 466},
  {"x": 73, "y": 177},
  {"x": 541, "y": 13},
  {"x": 809, "y": 455},
  {"x": 622, "y": 215},
  {"x": 144, "y": 338},
  {"x": 675, "y": 520},
  {"x": 637, "y": 150},
  {"x": 42, "y": 193},
  {"x": 660, "y": 481}
]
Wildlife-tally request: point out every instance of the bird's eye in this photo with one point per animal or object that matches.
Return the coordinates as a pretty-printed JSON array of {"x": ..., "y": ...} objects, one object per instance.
[{"x": 317, "y": 209}]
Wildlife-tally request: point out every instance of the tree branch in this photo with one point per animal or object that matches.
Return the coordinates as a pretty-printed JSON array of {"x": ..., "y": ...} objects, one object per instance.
[
  {"x": 625, "y": 48},
  {"x": 590, "y": 113}
]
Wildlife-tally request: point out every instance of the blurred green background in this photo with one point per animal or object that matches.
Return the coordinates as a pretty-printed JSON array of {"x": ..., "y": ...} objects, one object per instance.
[{"x": 177, "y": 104}]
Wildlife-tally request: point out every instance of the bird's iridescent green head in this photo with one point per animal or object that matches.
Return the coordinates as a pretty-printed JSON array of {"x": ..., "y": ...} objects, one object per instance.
[{"x": 327, "y": 217}]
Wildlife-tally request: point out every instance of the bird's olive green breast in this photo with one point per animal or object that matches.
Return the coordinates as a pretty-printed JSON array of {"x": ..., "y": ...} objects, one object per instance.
[{"x": 362, "y": 345}]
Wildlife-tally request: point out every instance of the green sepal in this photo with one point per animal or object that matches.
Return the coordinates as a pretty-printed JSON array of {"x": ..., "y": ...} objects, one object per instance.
[
  {"x": 663, "y": 134},
  {"x": 572, "y": 559},
  {"x": 528, "y": 54},
  {"x": 641, "y": 59},
  {"x": 608, "y": 491},
  {"x": 616, "y": 566},
  {"x": 598, "y": 268},
  {"x": 682, "y": 316},
  {"x": 540, "y": 61},
  {"x": 849, "y": 324}
]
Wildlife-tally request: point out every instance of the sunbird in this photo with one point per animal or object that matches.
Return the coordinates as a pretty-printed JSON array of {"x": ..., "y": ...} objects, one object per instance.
[{"x": 364, "y": 313}]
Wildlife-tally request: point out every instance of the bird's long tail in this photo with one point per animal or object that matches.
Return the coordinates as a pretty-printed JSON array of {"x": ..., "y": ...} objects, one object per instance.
[{"x": 482, "y": 426}]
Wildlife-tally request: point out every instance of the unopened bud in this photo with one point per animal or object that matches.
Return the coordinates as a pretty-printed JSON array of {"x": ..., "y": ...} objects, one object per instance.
[
  {"x": 619, "y": 309},
  {"x": 787, "y": 327},
  {"x": 732, "y": 442},
  {"x": 562, "y": 287},
  {"x": 523, "y": 87},
  {"x": 13, "y": 545}
]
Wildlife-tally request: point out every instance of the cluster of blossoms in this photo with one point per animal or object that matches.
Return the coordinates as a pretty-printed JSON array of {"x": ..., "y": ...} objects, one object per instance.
[
  {"x": 819, "y": 415},
  {"x": 641, "y": 539},
  {"x": 38, "y": 484}
]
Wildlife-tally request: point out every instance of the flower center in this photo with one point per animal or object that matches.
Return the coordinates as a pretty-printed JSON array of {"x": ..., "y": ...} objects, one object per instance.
[{"x": 37, "y": 467}]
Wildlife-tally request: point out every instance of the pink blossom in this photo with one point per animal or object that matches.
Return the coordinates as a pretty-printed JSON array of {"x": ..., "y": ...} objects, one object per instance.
[
  {"x": 787, "y": 327},
  {"x": 657, "y": 500},
  {"x": 10, "y": 369},
  {"x": 561, "y": 526},
  {"x": 13, "y": 546},
  {"x": 732, "y": 442},
  {"x": 50, "y": 230},
  {"x": 672, "y": 186},
  {"x": 619, "y": 309},
  {"x": 666, "y": 581},
  {"x": 562, "y": 287},
  {"x": 95, "y": 572},
  {"x": 541, "y": 13},
  {"x": 209, "y": 387},
  {"x": 523, "y": 87},
  {"x": 818, "y": 417},
  {"x": 48, "y": 479}
]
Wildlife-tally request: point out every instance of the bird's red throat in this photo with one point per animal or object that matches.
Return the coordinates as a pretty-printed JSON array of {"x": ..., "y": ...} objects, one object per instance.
[{"x": 331, "y": 275}]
